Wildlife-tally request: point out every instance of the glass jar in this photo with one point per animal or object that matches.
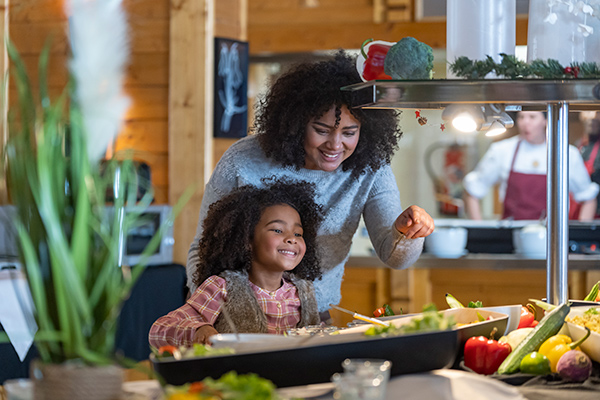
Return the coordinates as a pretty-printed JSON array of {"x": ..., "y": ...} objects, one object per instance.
[
  {"x": 476, "y": 29},
  {"x": 564, "y": 32}
]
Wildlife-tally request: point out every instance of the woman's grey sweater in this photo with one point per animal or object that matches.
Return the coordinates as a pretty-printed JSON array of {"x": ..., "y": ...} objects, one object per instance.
[{"x": 344, "y": 198}]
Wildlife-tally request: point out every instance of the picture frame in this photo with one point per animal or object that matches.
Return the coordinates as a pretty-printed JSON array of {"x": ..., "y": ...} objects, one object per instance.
[{"x": 230, "y": 88}]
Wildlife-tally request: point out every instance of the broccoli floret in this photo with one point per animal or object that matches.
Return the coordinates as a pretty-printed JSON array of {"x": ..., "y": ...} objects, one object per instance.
[{"x": 409, "y": 59}]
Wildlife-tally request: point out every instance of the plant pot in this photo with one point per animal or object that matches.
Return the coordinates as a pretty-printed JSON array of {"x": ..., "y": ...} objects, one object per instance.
[{"x": 69, "y": 381}]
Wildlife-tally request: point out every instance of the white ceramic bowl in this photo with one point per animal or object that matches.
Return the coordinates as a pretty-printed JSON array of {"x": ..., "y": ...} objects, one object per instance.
[
  {"x": 514, "y": 316},
  {"x": 447, "y": 242},
  {"x": 591, "y": 346},
  {"x": 530, "y": 241}
]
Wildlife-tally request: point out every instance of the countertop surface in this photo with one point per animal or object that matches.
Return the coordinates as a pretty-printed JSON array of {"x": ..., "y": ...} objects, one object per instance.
[{"x": 482, "y": 261}]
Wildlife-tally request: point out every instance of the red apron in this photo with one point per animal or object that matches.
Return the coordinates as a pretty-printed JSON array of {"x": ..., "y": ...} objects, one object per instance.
[
  {"x": 575, "y": 207},
  {"x": 525, "y": 194}
]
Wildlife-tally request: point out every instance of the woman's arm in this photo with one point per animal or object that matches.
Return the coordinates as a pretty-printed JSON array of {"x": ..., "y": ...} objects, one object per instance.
[
  {"x": 414, "y": 222},
  {"x": 472, "y": 206},
  {"x": 380, "y": 213},
  {"x": 587, "y": 211}
]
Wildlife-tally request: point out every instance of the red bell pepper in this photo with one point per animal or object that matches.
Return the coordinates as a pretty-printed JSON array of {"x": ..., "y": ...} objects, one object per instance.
[
  {"x": 527, "y": 319},
  {"x": 374, "y": 60},
  {"x": 484, "y": 355}
]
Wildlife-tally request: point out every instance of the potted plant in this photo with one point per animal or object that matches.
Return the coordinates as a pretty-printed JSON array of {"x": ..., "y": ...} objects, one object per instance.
[{"x": 69, "y": 239}]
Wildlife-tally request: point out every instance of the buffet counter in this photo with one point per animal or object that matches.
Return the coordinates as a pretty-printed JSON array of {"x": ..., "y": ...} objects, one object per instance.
[{"x": 495, "y": 279}]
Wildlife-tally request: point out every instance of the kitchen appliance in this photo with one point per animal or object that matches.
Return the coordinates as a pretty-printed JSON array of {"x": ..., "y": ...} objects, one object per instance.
[{"x": 138, "y": 237}]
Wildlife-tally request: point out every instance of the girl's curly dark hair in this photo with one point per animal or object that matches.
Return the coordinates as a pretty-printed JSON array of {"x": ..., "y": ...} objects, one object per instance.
[
  {"x": 308, "y": 91},
  {"x": 226, "y": 242}
]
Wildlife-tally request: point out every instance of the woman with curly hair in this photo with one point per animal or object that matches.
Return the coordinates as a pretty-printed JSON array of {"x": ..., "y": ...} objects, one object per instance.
[
  {"x": 257, "y": 260},
  {"x": 307, "y": 130}
]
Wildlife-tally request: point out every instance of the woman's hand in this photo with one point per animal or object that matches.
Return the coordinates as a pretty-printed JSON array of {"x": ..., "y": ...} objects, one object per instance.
[
  {"x": 203, "y": 334},
  {"x": 414, "y": 222}
]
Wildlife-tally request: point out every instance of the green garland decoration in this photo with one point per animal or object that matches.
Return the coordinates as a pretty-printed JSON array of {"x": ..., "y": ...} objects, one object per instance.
[{"x": 511, "y": 68}]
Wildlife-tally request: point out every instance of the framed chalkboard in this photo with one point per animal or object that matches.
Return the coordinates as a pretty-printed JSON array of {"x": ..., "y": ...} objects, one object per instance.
[{"x": 231, "y": 87}]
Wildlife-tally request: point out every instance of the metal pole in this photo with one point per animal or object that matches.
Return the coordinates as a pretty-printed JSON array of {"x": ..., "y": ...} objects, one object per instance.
[
  {"x": 557, "y": 201},
  {"x": 121, "y": 222}
]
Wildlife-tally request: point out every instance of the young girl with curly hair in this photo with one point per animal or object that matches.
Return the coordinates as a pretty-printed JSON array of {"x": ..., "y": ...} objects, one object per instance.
[
  {"x": 307, "y": 130},
  {"x": 258, "y": 261}
]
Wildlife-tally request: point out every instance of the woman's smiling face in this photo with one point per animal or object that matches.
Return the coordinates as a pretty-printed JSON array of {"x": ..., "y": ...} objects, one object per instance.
[{"x": 327, "y": 143}]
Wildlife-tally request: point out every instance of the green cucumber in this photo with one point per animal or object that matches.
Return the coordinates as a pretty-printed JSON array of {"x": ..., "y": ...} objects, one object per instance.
[
  {"x": 548, "y": 326},
  {"x": 593, "y": 293}
]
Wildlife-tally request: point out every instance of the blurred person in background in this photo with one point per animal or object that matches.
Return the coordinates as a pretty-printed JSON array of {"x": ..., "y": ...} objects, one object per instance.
[
  {"x": 590, "y": 151},
  {"x": 518, "y": 164}
]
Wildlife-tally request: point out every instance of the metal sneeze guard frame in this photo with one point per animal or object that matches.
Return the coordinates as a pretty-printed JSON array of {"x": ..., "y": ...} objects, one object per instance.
[{"x": 554, "y": 96}]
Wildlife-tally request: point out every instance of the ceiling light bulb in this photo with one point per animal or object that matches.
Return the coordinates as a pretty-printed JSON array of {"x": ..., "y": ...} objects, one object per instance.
[
  {"x": 495, "y": 129},
  {"x": 464, "y": 122}
]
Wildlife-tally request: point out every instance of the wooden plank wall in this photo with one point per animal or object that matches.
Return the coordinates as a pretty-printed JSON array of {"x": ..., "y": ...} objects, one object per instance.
[
  {"x": 146, "y": 129},
  {"x": 32, "y": 22},
  {"x": 287, "y": 26}
]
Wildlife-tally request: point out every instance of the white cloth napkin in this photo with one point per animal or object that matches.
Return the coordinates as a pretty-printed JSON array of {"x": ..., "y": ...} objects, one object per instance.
[
  {"x": 449, "y": 384},
  {"x": 16, "y": 310}
]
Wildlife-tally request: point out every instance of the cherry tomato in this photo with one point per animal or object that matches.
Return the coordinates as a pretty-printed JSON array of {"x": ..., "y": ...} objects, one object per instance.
[
  {"x": 527, "y": 317},
  {"x": 379, "y": 312},
  {"x": 196, "y": 387},
  {"x": 169, "y": 351}
]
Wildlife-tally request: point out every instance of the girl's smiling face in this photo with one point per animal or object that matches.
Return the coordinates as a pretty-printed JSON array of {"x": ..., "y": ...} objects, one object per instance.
[
  {"x": 328, "y": 143},
  {"x": 278, "y": 244}
]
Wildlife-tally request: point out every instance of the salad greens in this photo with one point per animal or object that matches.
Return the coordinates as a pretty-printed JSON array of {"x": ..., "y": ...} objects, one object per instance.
[
  {"x": 454, "y": 303},
  {"x": 230, "y": 386},
  {"x": 430, "y": 320}
]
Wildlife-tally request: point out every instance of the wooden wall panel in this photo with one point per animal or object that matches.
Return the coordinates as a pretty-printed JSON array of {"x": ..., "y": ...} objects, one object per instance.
[
  {"x": 147, "y": 83},
  {"x": 148, "y": 69},
  {"x": 144, "y": 135},
  {"x": 30, "y": 38},
  {"x": 231, "y": 19},
  {"x": 190, "y": 111},
  {"x": 287, "y": 27},
  {"x": 149, "y": 35},
  {"x": 34, "y": 11},
  {"x": 145, "y": 130},
  {"x": 146, "y": 9},
  {"x": 3, "y": 114},
  {"x": 149, "y": 102},
  {"x": 57, "y": 73}
]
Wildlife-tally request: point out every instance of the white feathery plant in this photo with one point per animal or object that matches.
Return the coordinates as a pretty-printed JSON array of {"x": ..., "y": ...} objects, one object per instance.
[{"x": 100, "y": 46}]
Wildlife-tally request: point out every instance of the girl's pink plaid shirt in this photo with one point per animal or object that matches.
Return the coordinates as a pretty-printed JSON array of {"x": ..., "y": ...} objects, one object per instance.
[{"x": 281, "y": 307}]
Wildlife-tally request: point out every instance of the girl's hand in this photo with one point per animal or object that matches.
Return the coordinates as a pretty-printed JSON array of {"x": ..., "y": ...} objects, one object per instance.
[
  {"x": 203, "y": 334},
  {"x": 414, "y": 222}
]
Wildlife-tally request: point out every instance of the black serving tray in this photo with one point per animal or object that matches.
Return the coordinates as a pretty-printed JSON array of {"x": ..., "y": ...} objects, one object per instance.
[{"x": 315, "y": 364}]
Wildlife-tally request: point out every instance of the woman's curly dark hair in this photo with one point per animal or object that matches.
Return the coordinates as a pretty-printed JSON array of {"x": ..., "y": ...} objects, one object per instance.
[
  {"x": 226, "y": 242},
  {"x": 308, "y": 91}
]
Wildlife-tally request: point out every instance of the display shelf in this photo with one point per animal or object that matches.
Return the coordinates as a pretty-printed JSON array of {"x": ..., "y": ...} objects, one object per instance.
[
  {"x": 556, "y": 97},
  {"x": 581, "y": 94}
]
